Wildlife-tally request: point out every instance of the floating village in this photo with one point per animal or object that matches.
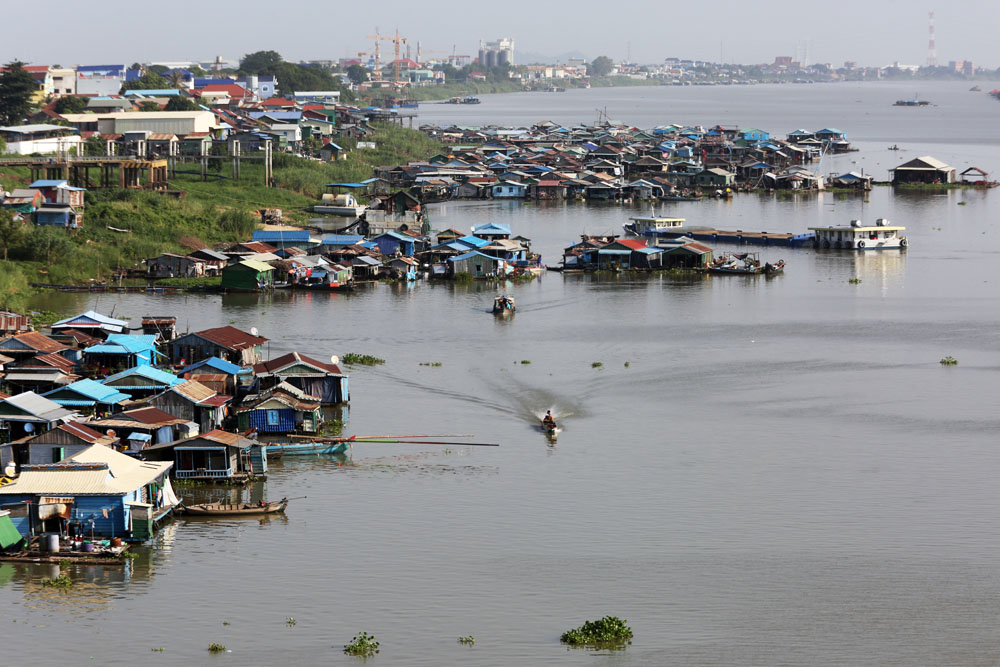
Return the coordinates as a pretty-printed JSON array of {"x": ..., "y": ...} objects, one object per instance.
[{"x": 103, "y": 420}]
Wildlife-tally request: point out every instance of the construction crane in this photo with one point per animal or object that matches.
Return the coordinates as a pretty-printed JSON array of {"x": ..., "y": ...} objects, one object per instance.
[{"x": 397, "y": 42}]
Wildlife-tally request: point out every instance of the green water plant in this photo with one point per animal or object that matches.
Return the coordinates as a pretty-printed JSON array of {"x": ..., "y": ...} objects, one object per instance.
[
  {"x": 854, "y": 281},
  {"x": 158, "y": 650},
  {"x": 597, "y": 364},
  {"x": 525, "y": 362},
  {"x": 361, "y": 359},
  {"x": 363, "y": 645},
  {"x": 62, "y": 581},
  {"x": 627, "y": 364},
  {"x": 468, "y": 641},
  {"x": 290, "y": 622},
  {"x": 949, "y": 361},
  {"x": 608, "y": 632},
  {"x": 216, "y": 648},
  {"x": 430, "y": 363}
]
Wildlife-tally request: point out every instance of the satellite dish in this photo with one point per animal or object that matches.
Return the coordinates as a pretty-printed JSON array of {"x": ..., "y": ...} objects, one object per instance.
[
  {"x": 253, "y": 331},
  {"x": 473, "y": 228},
  {"x": 110, "y": 432},
  {"x": 334, "y": 360},
  {"x": 29, "y": 427}
]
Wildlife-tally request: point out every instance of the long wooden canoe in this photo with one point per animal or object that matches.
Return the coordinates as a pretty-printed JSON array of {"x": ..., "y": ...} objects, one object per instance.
[{"x": 228, "y": 509}]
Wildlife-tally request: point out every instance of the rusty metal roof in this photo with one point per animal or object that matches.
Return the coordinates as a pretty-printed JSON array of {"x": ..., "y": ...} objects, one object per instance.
[
  {"x": 274, "y": 366},
  {"x": 231, "y": 337}
]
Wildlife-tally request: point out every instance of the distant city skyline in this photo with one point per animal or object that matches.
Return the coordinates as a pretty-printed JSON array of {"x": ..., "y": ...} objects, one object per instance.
[{"x": 871, "y": 33}]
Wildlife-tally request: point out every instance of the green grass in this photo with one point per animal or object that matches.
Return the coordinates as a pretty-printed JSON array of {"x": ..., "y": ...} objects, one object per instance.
[{"x": 219, "y": 210}]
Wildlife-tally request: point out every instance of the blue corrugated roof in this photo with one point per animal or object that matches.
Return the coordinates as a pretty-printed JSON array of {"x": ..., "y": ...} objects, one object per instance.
[
  {"x": 300, "y": 235},
  {"x": 93, "y": 391},
  {"x": 342, "y": 239},
  {"x": 395, "y": 235},
  {"x": 154, "y": 374},
  {"x": 491, "y": 228},
  {"x": 472, "y": 253},
  {"x": 218, "y": 364},
  {"x": 473, "y": 241},
  {"x": 47, "y": 183}
]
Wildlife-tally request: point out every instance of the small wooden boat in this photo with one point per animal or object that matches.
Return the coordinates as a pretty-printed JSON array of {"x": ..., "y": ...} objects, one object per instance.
[
  {"x": 550, "y": 428},
  {"x": 229, "y": 509},
  {"x": 744, "y": 264},
  {"x": 503, "y": 305}
]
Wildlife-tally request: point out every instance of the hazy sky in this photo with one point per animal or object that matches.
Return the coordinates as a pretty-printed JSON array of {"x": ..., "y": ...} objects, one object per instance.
[{"x": 871, "y": 32}]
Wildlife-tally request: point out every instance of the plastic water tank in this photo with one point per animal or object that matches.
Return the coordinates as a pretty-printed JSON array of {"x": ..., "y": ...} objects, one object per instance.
[
  {"x": 50, "y": 543},
  {"x": 881, "y": 222}
]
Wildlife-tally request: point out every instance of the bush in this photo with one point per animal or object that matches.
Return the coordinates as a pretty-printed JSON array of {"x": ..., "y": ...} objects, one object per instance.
[
  {"x": 363, "y": 645},
  {"x": 609, "y": 631}
]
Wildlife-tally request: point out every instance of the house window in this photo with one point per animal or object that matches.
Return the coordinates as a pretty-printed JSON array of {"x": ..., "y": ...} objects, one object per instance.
[{"x": 272, "y": 417}]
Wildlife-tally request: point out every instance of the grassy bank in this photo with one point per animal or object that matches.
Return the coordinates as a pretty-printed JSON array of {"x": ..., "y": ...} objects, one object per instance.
[
  {"x": 215, "y": 211},
  {"x": 464, "y": 89}
]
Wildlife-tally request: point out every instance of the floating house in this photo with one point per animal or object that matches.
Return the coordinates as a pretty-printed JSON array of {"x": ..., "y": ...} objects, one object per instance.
[
  {"x": 391, "y": 243},
  {"x": 23, "y": 346},
  {"x": 119, "y": 352},
  {"x": 216, "y": 456},
  {"x": 88, "y": 397},
  {"x": 97, "y": 491},
  {"x": 141, "y": 381},
  {"x": 30, "y": 414},
  {"x": 281, "y": 409},
  {"x": 228, "y": 343},
  {"x": 92, "y": 323},
  {"x": 478, "y": 265},
  {"x": 248, "y": 275},
  {"x": 140, "y": 427},
  {"x": 924, "y": 169},
  {"x": 218, "y": 374},
  {"x": 324, "y": 380},
  {"x": 62, "y": 442},
  {"x": 193, "y": 401},
  {"x": 164, "y": 327}
]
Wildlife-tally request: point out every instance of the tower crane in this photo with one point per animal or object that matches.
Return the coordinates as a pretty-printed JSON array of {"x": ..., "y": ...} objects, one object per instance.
[{"x": 397, "y": 42}]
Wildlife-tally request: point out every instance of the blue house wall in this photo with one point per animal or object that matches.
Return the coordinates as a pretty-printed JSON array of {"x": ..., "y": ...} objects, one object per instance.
[{"x": 285, "y": 421}]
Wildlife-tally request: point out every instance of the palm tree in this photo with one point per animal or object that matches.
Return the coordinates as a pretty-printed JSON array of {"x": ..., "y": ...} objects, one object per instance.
[{"x": 176, "y": 78}]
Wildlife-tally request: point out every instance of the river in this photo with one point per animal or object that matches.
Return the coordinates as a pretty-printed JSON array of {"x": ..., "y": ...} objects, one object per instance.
[{"x": 761, "y": 471}]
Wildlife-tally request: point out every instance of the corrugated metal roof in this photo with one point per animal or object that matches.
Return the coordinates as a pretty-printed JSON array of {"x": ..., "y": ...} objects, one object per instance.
[
  {"x": 231, "y": 337},
  {"x": 91, "y": 390},
  {"x": 275, "y": 366},
  {"x": 216, "y": 363},
  {"x": 95, "y": 319},
  {"x": 37, "y": 341},
  {"x": 115, "y": 474},
  {"x": 148, "y": 372},
  {"x": 37, "y": 406},
  {"x": 193, "y": 391}
]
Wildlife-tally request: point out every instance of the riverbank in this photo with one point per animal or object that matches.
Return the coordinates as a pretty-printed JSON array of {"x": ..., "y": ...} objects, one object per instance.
[{"x": 219, "y": 210}]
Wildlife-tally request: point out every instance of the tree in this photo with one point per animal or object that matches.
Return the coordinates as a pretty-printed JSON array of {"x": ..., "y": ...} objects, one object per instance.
[
  {"x": 10, "y": 232},
  {"x": 148, "y": 105},
  {"x": 600, "y": 66},
  {"x": 180, "y": 104},
  {"x": 260, "y": 62},
  {"x": 70, "y": 104},
  {"x": 16, "y": 89},
  {"x": 148, "y": 81},
  {"x": 357, "y": 74},
  {"x": 176, "y": 78}
]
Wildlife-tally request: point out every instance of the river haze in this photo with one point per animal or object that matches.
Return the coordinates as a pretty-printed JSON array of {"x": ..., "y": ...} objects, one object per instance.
[{"x": 761, "y": 471}]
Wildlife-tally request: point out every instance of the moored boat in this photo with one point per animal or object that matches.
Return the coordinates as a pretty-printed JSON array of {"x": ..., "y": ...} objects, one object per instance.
[
  {"x": 744, "y": 264},
  {"x": 858, "y": 236},
  {"x": 235, "y": 509},
  {"x": 331, "y": 446},
  {"x": 654, "y": 225}
]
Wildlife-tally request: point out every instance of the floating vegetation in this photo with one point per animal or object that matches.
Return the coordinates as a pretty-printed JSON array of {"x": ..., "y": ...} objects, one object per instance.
[
  {"x": 627, "y": 364},
  {"x": 363, "y": 645},
  {"x": 216, "y": 648},
  {"x": 290, "y": 622},
  {"x": 949, "y": 361},
  {"x": 361, "y": 359},
  {"x": 468, "y": 641},
  {"x": 158, "y": 650},
  {"x": 525, "y": 362},
  {"x": 854, "y": 281},
  {"x": 62, "y": 581},
  {"x": 608, "y": 632},
  {"x": 65, "y": 562},
  {"x": 430, "y": 363},
  {"x": 331, "y": 427},
  {"x": 597, "y": 364},
  {"x": 961, "y": 203},
  {"x": 226, "y": 623}
]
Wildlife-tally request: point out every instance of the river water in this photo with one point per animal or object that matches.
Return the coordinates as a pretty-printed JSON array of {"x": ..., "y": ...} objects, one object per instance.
[{"x": 762, "y": 471}]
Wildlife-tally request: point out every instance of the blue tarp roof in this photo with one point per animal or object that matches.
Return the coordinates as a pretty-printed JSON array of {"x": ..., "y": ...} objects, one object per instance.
[
  {"x": 92, "y": 391},
  {"x": 299, "y": 235},
  {"x": 47, "y": 184},
  {"x": 342, "y": 239},
  {"x": 345, "y": 185},
  {"x": 395, "y": 235},
  {"x": 154, "y": 374},
  {"x": 93, "y": 316},
  {"x": 491, "y": 228},
  {"x": 218, "y": 364},
  {"x": 473, "y": 241}
]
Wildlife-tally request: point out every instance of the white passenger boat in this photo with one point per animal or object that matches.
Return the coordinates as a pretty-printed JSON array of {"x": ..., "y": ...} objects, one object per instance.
[
  {"x": 654, "y": 225},
  {"x": 857, "y": 236},
  {"x": 339, "y": 204}
]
